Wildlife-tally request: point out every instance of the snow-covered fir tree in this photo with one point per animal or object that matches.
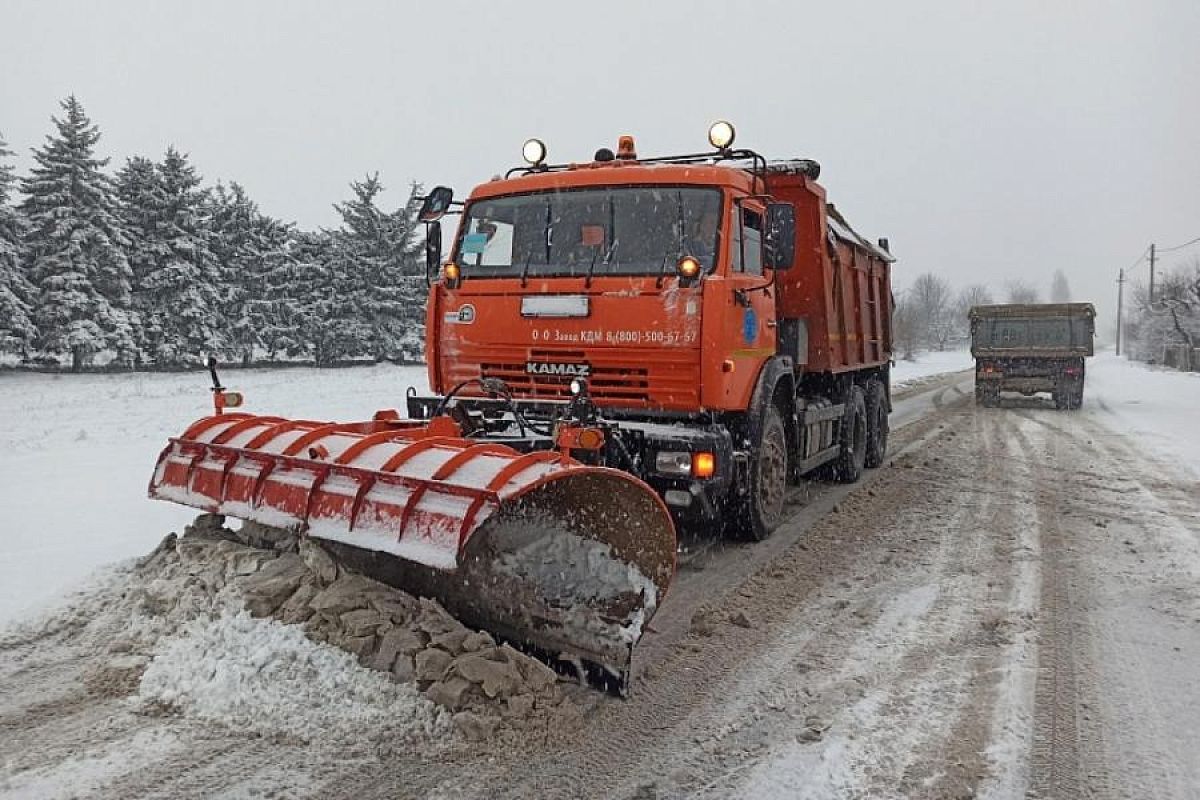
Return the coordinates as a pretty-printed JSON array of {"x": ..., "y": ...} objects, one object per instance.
[
  {"x": 17, "y": 332},
  {"x": 250, "y": 248},
  {"x": 137, "y": 188},
  {"x": 374, "y": 256},
  {"x": 178, "y": 292},
  {"x": 76, "y": 247},
  {"x": 16, "y": 327}
]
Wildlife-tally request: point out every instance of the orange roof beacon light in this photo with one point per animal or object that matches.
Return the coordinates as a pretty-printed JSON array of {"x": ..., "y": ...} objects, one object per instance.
[
  {"x": 626, "y": 151},
  {"x": 721, "y": 134},
  {"x": 534, "y": 151}
]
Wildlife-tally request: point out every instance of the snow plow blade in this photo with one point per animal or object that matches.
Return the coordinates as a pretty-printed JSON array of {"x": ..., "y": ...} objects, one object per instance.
[{"x": 535, "y": 547}]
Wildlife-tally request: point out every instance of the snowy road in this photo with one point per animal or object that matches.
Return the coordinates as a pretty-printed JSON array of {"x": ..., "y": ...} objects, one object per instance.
[{"x": 1010, "y": 608}]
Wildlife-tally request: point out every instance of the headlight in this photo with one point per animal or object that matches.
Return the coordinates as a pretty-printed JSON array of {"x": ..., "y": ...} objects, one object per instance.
[
  {"x": 677, "y": 464},
  {"x": 721, "y": 134},
  {"x": 534, "y": 151}
]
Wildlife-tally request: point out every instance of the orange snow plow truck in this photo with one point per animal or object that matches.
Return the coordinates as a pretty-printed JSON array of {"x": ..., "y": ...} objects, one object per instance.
[{"x": 617, "y": 349}]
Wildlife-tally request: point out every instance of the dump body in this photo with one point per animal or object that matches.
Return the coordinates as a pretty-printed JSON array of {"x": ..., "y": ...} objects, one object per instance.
[
  {"x": 836, "y": 302},
  {"x": 1031, "y": 348}
]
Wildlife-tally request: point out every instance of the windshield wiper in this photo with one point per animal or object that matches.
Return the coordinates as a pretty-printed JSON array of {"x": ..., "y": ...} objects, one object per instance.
[
  {"x": 662, "y": 272},
  {"x": 525, "y": 269},
  {"x": 612, "y": 248}
]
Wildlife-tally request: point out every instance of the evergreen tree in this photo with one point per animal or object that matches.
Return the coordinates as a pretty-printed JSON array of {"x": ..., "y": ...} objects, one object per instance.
[
  {"x": 251, "y": 249},
  {"x": 76, "y": 246},
  {"x": 324, "y": 321},
  {"x": 374, "y": 258},
  {"x": 139, "y": 197},
  {"x": 17, "y": 332},
  {"x": 178, "y": 290}
]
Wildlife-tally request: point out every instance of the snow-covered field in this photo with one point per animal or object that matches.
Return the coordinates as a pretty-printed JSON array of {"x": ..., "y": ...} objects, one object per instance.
[
  {"x": 76, "y": 452},
  {"x": 1157, "y": 405},
  {"x": 929, "y": 364}
]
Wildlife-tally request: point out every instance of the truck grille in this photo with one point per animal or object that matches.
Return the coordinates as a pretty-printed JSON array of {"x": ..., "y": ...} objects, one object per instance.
[
  {"x": 607, "y": 382},
  {"x": 618, "y": 378}
]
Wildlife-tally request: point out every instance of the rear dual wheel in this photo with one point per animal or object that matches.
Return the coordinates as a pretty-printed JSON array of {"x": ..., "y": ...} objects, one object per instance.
[
  {"x": 852, "y": 437},
  {"x": 877, "y": 423}
]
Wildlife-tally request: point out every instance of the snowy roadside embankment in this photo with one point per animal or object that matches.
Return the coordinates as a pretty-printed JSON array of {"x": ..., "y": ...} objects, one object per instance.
[
  {"x": 929, "y": 365},
  {"x": 1157, "y": 406},
  {"x": 76, "y": 452}
]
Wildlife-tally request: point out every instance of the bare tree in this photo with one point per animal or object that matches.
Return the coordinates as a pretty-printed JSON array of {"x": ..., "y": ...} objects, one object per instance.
[
  {"x": 1020, "y": 291},
  {"x": 1060, "y": 290},
  {"x": 904, "y": 327},
  {"x": 1173, "y": 319},
  {"x": 931, "y": 309},
  {"x": 974, "y": 295}
]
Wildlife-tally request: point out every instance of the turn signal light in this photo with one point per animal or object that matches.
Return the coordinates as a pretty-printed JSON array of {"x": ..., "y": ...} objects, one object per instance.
[
  {"x": 688, "y": 267},
  {"x": 590, "y": 439},
  {"x": 451, "y": 272},
  {"x": 704, "y": 465}
]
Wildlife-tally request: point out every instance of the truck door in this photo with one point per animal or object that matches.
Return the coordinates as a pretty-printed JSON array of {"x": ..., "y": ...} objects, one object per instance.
[{"x": 756, "y": 338}]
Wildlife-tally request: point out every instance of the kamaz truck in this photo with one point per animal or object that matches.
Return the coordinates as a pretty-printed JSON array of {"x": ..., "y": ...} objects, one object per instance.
[{"x": 1031, "y": 348}]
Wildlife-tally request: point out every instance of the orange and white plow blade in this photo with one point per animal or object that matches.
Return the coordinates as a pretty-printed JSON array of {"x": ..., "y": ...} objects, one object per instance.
[{"x": 469, "y": 523}]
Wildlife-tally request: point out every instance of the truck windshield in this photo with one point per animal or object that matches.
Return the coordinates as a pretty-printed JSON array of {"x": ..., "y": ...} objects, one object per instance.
[{"x": 628, "y": 230}]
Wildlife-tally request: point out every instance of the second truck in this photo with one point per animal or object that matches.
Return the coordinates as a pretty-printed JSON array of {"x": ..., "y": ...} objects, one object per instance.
[{"x": 617, "y": 348}]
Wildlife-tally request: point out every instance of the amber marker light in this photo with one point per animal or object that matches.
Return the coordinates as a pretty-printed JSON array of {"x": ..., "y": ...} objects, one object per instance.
[
  {"x": 703, "y": 465},
  {"x": 688, "y": 267},
  {"x": 590, "y": 439},
  {"x": 451, "y": 272}
]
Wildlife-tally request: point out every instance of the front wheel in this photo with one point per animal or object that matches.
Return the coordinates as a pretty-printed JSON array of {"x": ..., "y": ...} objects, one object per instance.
[{"x": 761, "y": 511}]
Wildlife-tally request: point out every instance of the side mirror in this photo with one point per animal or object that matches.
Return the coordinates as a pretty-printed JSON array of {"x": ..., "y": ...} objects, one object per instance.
[
  {"x": 779, "y": 243},
  {"x": 433, "y": 249},
  {"x": 436, "y": 204}
]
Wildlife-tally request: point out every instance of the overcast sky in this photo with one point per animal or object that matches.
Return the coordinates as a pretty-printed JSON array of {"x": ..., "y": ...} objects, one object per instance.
[{"x": 988, "y": 141}]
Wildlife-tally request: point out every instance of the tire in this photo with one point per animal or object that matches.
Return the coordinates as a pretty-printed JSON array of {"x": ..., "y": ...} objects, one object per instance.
[
  {"x": 762, "y": 510},
  {"x": 988, "y": 398},
  {"x": 852, "y": 437},
  {"x": 877, "y": 424}
]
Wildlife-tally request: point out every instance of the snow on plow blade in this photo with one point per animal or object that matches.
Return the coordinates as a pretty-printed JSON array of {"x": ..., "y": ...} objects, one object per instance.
[{"x": 534, "y": 546}]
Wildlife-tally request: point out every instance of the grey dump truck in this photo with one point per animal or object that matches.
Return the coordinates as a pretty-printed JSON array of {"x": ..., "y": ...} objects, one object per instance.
[{"x": 1031, "y": 348}]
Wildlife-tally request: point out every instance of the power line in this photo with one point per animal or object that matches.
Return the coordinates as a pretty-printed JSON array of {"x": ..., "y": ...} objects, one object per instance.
[{"x": 1179, "y": 246}]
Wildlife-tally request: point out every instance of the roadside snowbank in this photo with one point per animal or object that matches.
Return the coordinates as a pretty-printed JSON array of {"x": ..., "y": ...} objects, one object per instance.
[
  {"x": 1158, "y": 406},
  {"x": 76, "y": 453},
  {"x": 927, "y": 365}
]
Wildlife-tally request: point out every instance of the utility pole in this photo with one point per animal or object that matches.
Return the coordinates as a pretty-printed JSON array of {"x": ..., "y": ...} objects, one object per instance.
[
  {"x": 1151, "y": 275},
  {"x": 1120, "y": 292}
]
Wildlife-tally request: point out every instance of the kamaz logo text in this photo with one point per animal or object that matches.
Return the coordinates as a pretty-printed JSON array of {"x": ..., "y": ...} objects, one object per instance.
[{"x": 557, "y": 368}]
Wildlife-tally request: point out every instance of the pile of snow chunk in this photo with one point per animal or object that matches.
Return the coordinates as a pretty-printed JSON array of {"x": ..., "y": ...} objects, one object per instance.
[
  {"x": 267, "y": 678},
  {"x": 207, "y": 573}
]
